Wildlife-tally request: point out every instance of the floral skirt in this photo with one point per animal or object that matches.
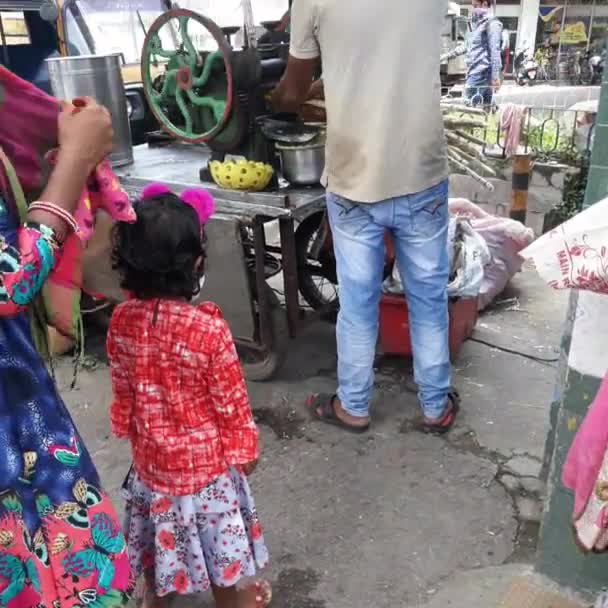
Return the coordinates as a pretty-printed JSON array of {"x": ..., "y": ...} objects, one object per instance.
[{"x": 184, "y": 544}]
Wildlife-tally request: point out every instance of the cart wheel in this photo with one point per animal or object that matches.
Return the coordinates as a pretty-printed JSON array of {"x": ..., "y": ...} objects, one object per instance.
[
  {"x": 317, "y": 277},
  {"x": 259, "y": 366}
]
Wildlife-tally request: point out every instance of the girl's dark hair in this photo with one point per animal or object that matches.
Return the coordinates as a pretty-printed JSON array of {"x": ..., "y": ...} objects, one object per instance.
[{"x": 162, "y": 253}]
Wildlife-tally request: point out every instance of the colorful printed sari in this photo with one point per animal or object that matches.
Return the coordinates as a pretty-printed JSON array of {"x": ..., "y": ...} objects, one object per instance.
[{"x": 60, "y": 541}]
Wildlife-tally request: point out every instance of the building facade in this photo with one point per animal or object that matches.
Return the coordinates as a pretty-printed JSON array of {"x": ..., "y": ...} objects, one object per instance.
[{"x": 558, "y": 23}]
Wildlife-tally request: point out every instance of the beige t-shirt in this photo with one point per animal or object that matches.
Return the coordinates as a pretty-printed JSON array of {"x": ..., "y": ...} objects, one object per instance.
[{"x": 380, "y": 59}]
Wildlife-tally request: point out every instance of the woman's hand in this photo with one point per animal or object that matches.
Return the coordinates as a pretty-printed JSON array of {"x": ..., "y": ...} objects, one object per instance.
[
  {"x": 85, "y": 139},
  {"x": 85, "y": 133}
]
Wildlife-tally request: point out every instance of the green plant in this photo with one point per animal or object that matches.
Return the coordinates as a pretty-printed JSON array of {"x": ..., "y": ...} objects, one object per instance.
[{"x": 574, "y": 194}]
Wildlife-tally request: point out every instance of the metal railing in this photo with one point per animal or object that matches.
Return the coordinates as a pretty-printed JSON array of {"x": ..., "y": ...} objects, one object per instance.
[{"x": 548, "y": 132}]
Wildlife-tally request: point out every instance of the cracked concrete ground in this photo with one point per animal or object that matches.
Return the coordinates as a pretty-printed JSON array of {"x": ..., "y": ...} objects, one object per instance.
[{"x": 392, "y": 518}]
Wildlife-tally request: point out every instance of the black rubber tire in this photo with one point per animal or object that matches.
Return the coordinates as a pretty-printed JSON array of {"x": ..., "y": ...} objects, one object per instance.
[
  {"x": 270, "y": 363},
  {"x": 308, "y": 289}
]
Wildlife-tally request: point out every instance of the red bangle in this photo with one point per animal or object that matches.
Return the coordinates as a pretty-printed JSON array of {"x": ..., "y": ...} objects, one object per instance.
[{"x": 57, "y": 211}]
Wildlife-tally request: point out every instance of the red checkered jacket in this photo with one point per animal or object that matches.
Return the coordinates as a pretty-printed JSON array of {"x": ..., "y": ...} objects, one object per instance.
[{"x": 179, "y": 394}]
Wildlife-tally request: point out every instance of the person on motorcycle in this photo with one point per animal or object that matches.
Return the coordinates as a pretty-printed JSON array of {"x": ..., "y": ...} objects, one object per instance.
[{"x": 483, "y": 54}]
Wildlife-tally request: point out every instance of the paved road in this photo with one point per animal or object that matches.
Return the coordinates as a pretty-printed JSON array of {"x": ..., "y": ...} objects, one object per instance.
[{"x": 390, "y": 518}]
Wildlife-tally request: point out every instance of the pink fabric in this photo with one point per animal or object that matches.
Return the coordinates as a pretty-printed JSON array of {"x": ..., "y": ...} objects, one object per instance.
[
  {"x": 511, "y": 120},
  {"x": 29, "y": 137},
  {"x": 586, "y": 454},
  {"x": 102, "y": 191},
  {"x": 29, "y": 127},
  {"x": 504, "y": 237}
]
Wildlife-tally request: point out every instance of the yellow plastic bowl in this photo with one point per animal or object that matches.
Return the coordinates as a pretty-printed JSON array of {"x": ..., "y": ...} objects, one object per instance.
[{"x": 241, "y": 175}]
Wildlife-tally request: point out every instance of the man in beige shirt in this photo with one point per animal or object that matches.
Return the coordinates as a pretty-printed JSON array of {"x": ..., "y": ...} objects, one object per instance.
[{"x": 385, "y": 171}]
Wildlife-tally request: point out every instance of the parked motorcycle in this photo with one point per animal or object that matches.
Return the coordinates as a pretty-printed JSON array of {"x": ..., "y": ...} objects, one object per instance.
[{"x": 526, "y": 69}]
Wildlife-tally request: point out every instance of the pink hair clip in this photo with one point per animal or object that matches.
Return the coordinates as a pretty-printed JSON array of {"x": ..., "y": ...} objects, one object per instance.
[
  {"x": 197, "y": 198},
  {"x": 152, "y": 190},
  {"x": 201, "y": 201}
]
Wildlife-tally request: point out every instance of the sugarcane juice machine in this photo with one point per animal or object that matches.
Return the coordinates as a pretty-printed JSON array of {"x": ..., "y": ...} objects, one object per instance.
[
  {"x": 209, "y": 99},
  {"x": 214, "y": 95}
]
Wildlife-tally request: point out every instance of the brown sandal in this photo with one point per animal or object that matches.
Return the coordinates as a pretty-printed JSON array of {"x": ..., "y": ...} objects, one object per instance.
[{"x": 321, "y": 408}]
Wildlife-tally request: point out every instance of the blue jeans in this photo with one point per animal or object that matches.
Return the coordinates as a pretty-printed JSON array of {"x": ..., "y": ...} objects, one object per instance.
[
  {"x": 418, "y": 225},
  {"x": 478, "y": 90}
]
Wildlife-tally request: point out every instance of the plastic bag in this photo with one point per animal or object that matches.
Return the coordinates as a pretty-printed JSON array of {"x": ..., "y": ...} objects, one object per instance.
[
  {"x": 575, "y": 254},
  {"x": 505, "y": 239},
  {"x": 468, "y": 254}
]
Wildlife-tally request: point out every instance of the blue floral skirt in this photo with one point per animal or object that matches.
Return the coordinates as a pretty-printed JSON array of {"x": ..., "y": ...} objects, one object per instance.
[{"x": 184, "y": 544}]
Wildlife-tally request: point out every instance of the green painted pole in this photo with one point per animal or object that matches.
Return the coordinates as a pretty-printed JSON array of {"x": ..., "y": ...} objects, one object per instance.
[{"x": 584, "y": 361}]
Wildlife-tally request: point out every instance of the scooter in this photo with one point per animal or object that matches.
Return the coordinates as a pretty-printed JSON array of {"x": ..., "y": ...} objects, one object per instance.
[{"x": 526, "y": 69}]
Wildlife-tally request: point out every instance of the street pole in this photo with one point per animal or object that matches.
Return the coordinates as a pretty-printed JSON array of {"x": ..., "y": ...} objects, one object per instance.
[
  {"x": 561, "y": 32},
  {"x": 591, "y": 20},
  {"x": 520, "y": 184}
]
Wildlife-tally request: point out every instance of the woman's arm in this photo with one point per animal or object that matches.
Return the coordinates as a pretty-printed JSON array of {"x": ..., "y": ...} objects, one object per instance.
[{"x": 85, "y": 139}]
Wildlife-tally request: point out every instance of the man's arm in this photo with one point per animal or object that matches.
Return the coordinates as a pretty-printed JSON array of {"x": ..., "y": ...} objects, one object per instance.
[
  {"x": 304, "y": 55},
  {"x": 495, "y": 44},
  {"x": 294, "y": 88},
  {"x": 460, "y": 50}
]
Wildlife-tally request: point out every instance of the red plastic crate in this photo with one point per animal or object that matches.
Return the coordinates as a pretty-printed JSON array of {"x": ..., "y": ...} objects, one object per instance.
[{"x": 395, "y": 329}]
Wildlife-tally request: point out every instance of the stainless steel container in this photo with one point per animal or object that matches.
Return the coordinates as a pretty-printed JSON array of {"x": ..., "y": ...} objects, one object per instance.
[
  {"x": 302, "y": 165},
  {"x": 99, "y": 77}
]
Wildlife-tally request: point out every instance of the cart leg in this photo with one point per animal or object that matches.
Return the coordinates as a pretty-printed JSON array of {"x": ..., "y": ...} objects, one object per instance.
[
  {"x": 290, "y": 273},
  {"x": 259, "y": 246}
]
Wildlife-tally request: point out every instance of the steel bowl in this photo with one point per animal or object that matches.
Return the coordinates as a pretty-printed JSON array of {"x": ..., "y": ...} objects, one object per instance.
[{"x": 302, "y": 165}]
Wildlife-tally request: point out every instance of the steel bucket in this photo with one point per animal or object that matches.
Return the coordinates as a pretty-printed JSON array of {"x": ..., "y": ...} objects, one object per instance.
[{"x": 99, "y": 77}]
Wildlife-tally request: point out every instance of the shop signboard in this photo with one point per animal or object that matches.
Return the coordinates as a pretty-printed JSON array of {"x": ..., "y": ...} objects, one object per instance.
[{"x": 574, "y": 33}]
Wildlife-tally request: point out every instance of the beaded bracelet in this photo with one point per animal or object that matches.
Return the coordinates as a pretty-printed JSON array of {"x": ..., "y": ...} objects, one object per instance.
[{"x": 57, "y": 211}]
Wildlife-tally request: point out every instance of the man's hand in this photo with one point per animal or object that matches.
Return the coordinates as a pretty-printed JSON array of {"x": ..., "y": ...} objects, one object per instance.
[
  {"x": 85, "y": 133},
  {"x": 250, "y": 467},
  {"x": 496, "y": 84}
]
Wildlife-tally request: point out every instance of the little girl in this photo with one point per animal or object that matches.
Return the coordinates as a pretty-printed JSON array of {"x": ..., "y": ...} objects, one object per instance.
[{"x": 180, "y": 398}]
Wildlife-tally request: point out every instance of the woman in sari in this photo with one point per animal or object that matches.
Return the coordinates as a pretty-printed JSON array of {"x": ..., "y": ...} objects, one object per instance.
[{"x": 60, "y": 542}]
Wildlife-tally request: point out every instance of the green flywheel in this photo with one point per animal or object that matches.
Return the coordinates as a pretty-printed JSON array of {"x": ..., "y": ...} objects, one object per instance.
[{"x": 190, "y": 92}]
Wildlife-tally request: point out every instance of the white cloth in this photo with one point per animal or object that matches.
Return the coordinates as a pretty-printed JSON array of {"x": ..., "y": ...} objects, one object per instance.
[
  {"x": 575, "y": 254},
  {"x": 385, "y": 133}
]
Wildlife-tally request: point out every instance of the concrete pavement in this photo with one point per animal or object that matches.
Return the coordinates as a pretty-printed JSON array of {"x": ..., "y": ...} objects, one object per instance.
[{"x": 392, "y": 518}]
